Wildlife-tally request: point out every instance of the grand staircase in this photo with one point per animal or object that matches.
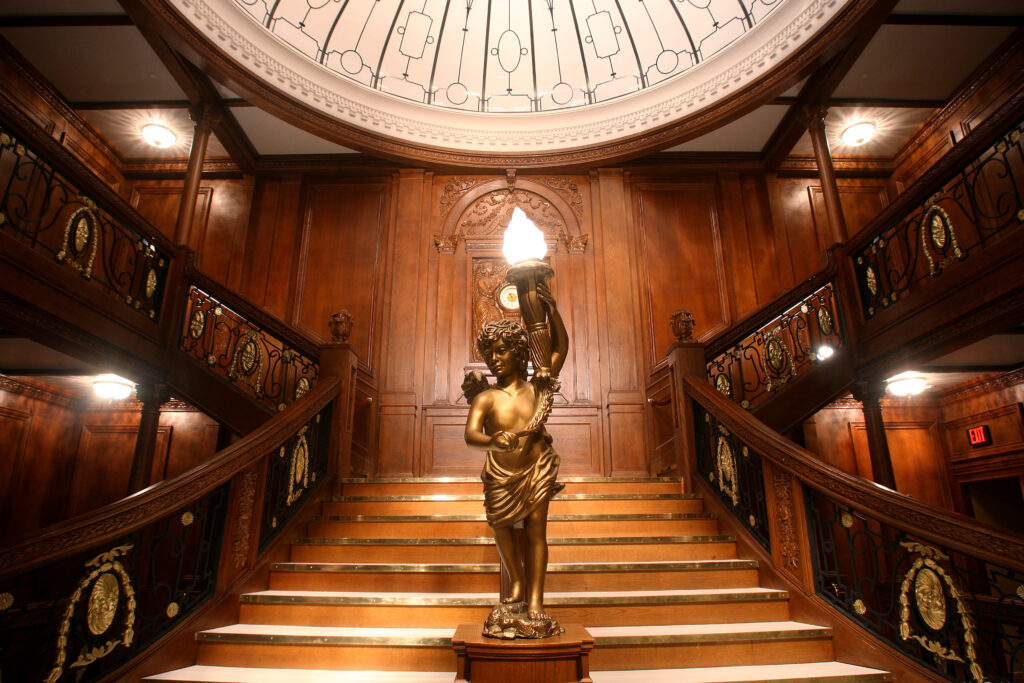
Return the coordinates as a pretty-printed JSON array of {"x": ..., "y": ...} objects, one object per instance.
[{"x": 385, "y": 574}]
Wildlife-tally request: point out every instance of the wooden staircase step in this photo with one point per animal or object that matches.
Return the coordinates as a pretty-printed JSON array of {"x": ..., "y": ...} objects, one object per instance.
[
  {"x": 813, "y": 672},
  {"x": 572, "y": 503},
  {"x": 483, "y": 577},
  {"x": 590, "y": 608},
  {"x": 457, "y": 526},
  {"x": 482, "y": 549},
  {"x": 707, "y": 644},
  {"x": 469, "y": 485},
  {"x": 327, "y": 647},
  {"x": 238, "y": 674}
]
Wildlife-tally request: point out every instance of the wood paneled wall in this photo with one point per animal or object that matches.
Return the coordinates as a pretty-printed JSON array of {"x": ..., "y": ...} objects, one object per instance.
[
  {"x": 397, "y": 251},
  {"x": 63, "y": 457},
  {"x": 927, "y": 438}
]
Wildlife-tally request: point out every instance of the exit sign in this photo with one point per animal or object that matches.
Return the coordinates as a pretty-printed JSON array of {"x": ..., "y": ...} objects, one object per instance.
[{"x": 979, "y": 436}]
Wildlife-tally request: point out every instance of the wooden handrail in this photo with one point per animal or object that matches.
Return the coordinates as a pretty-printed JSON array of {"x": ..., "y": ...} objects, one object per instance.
[
  {"x": 149, "y": 505},
  {"x": 918, "y": 518},
  {"x": 269, "y": 323}
]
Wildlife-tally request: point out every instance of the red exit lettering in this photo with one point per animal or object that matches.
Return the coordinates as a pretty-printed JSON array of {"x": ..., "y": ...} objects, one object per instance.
[{"x": 979, "y": 436}]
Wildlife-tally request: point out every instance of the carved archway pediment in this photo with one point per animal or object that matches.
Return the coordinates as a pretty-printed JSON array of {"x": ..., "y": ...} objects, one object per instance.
[{"x": 477, "y": 213}]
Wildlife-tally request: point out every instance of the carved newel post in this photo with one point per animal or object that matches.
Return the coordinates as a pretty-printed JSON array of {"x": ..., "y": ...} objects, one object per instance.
[
  {"x": 686, "y": 357},
  {"x": 339, "y": 359}
]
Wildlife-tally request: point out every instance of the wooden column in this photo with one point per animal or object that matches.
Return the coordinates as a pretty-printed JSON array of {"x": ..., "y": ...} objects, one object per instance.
[
  {"x": 193, "y": 174},
  {"x": 686, "y": 357},
  {"x": 815, "y": 118},
  {"x": 869, "y": 393},
  {"x": 151, "y": 394},
  {"x": 339, "y": 359}
]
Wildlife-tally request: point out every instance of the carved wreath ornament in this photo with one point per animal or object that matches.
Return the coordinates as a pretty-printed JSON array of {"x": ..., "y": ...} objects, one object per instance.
[
  {"x": 110, "y": 597},
  {"x": 926, "y": 585}
]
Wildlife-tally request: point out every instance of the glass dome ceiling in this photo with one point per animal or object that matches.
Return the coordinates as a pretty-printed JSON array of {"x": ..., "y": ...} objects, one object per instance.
[
  {"x": 505, "y": 56},
  {"x": 507, "y": 83}
]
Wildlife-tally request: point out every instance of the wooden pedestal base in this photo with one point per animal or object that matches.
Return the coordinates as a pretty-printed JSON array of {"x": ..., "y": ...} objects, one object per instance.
[{"x": 560, "y": 659}]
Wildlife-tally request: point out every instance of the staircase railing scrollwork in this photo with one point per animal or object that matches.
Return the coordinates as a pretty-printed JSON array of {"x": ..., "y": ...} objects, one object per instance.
[
  {"x": 939, "y": 588},
  {"x": 245, "y": 346},
  {"x": 764, "y": 352},
  {"x": 83, "y": 598},
  {"x": 80, "y": 225},
  {"x": 965, "y": 203}
]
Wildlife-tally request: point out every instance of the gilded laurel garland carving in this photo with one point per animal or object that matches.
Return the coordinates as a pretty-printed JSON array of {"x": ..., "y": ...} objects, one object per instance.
[
  {"x": 929, "y": 583},
  {"x": 789, "y": 544},
  {"x": 83, "y": 223},
  {"x": 246, "y": 501},
  {"x": 489, "y": 214},
  {"x": 108, "y": 580},
  {"x": 725, "y": 468},
  {"x": 299, "y": 472},
  {"x": 935, "y": 227}
]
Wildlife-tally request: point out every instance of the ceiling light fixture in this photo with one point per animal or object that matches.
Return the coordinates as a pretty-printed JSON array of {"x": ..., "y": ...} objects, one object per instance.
[
  {"x": 825, "y": 351},
  {"x": 112, "y": 386},
  {"x": 906, "y": 384},
  {"x": 158, "y": 135},
  {"x": 859, "y": 133}
]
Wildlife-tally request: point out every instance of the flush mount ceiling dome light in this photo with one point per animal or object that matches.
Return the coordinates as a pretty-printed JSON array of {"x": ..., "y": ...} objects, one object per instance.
[
  {"x": 906, "y": 384},
  {"x": 858, "y": 133},
  {"x": 112, "y": 386},
  {"x": 158, "y": 135}
]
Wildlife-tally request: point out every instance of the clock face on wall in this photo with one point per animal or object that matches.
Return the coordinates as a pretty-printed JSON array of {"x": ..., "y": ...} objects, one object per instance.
[{"x": 508, "y": 298}]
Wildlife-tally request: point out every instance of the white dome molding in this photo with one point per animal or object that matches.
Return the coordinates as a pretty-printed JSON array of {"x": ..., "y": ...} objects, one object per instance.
[{"x": 336, "y": 107}]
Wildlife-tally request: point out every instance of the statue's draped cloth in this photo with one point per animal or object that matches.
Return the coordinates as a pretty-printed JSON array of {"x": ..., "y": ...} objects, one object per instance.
[{"x": 511, "y": 495}]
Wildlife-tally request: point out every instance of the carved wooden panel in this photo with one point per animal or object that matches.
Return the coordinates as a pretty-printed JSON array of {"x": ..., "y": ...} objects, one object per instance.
[
  {"x": 488, "y": 215},
  {"x": 14, "y": 430},
  {"x": 103, "y": 463},
  {"x": 340, "y": 258},
  {"x": 918, "y": 460},
  {"x": 679, "y": 228},
  {"x": 488, "y": 305}
]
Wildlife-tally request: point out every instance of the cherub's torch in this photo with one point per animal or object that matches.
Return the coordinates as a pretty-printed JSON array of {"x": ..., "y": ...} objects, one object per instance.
[{"x": 524, "y": 248}]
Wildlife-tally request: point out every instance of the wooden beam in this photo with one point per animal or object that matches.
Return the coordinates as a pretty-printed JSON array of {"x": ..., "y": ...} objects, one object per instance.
[
  {"x": 819, "y": 87},
  {"x": 199, "y": 89},
  {"x": 64, "y": 20},
  {"x": 909, "y": 19},
  {"x": 868, "y": 102}
]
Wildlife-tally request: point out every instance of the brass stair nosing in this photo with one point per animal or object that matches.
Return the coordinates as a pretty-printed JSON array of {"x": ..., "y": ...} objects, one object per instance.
[
  {"x": 623, "y": 517},
  {"x": 392, "y": 641},
  {"x": 484, "y": 568},
  {"x": 487, "y": 540},
  {"x": 490, "y": 600},
  {"x": 686, "y": 638},
  {"x": 470, "y": 480},
  {"x": 464, "y": 497}
]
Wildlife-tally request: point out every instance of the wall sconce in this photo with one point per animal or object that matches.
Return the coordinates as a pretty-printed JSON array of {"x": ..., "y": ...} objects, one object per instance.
[
  {"x": 906, "y": 384},
  {"x": 112, "y": 386},
  {"x": 825, "y": 352}
]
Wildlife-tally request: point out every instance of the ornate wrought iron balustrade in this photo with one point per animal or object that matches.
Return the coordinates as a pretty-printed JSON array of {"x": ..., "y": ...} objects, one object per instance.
[
  {"x": 48, "y": 213},
  {"x": 968, "y": 213},
  {"x": 293, "y": 473},
  {"x": 956, "y": 614},
  {"x": 244, "y": 354},
  {"x": 81, "y": 617},
  {"x": 755, "y": 367},
  {"x": 734, "y": 471}
]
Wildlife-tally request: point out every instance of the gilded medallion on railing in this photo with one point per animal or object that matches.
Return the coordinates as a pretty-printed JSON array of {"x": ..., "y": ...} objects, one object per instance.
[
  {"x": 49, "y": 214},
  {"x": 972, "y": 208},
  {"x": 803, "y": 334},
  {"x": 955, "y": 614},
  {"x": 242, "y": 353}
]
